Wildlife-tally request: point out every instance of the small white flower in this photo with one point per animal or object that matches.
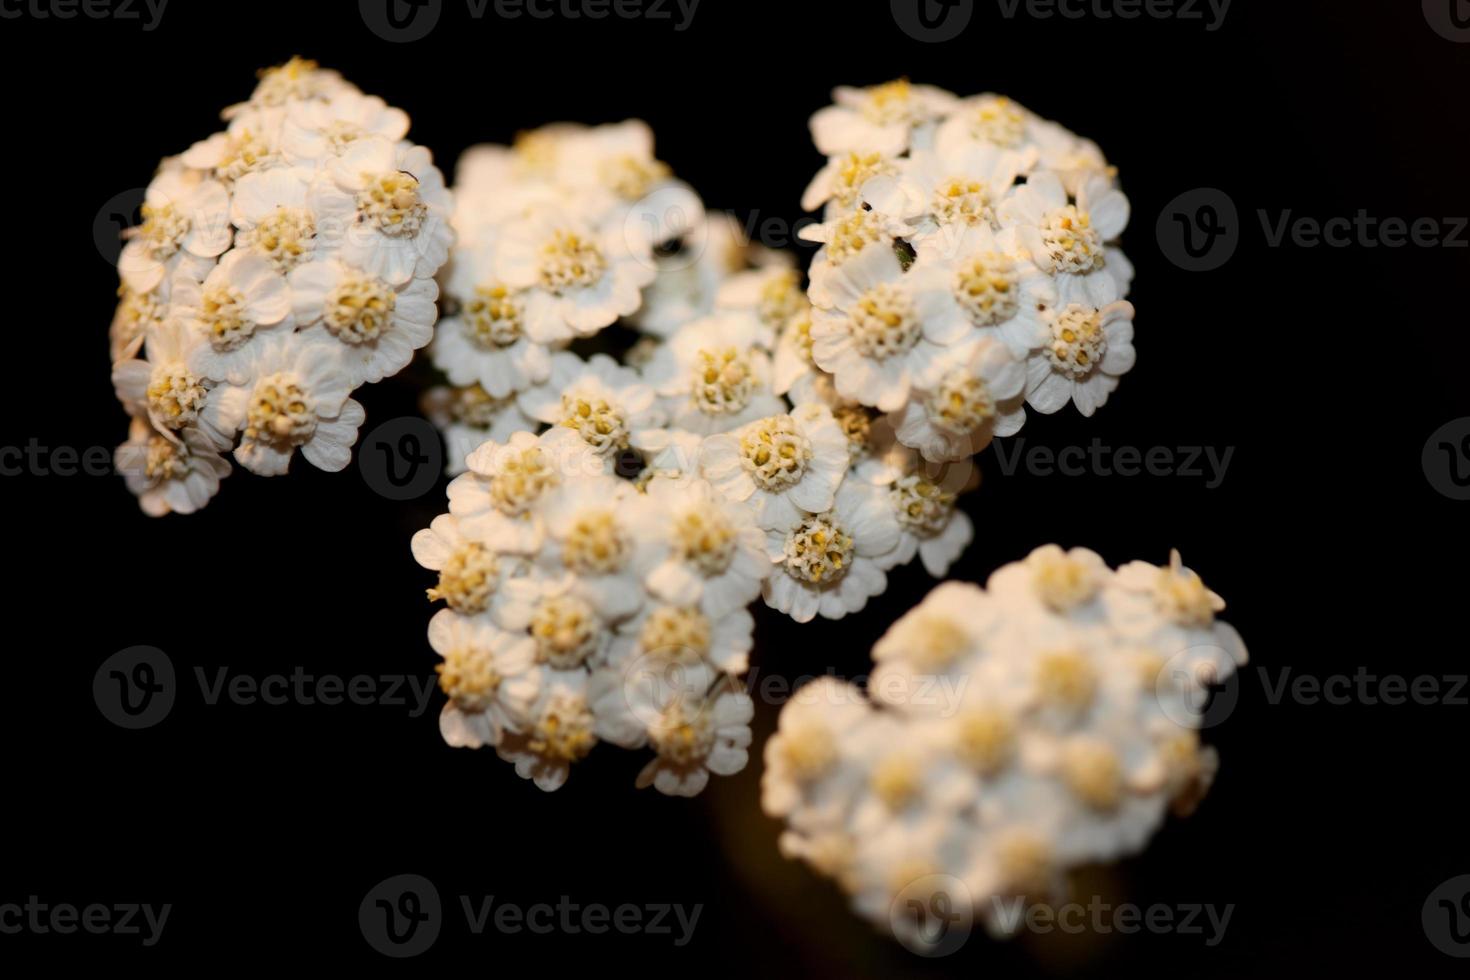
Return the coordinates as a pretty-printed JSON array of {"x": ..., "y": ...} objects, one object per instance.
[
  {"x": 487, "y": 341},
  {"x": 169, "y": 474},
  {"x": 240, "y": 302},
  {"x": 608, "y": 406},
  {"x": 500, "y": 498},
  {"x": 392, "y": 209},
  {"x": 968, "y": 397},
  {"x": 590, "y": 533},
  {"x": 1071, "y": 241},
  {"x": 250, "y": 144},
  {"x": 933, "y": 191},
  {"x": 490, "y": 677},
  {"x": 879, "y": 119},
  {"x": 377, "y": 325},
  {"x": 316, "y": 129},
  {"x": 559, "y": 733},
  {"x": 876, "y": 338},
  {"x": 713, "y": 375},
  {"x": 163, "y": 386},
  {"x": 772, "y": 293},
  {"x": 275, "y": 218},
  {"x": 694, "y": 737},
  {"x": 780, "y": 466},
  {"x": 577, "y": 277},
  {"x": 295, "y": 397},
  {"x": 923, "y": 501},
  {"x": 702, "y": 549},
  {"x": 1089, "y": 349},
  {"x": 471, "y": 572},
  {"x": 186, "y": 223},
  {"x": 973, "y": 276},
  {"x": 832, "y": 562}
]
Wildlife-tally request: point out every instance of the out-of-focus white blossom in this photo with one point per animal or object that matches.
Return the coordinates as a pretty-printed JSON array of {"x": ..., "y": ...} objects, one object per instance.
[{"x": 1008, "y": 734}]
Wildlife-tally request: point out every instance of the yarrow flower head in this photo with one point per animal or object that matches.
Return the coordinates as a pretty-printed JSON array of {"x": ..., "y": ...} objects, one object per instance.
[
  {"x": 1009, "y": 735},
  {"x": 279, "y": 264},
  {"x": 947, "y": 221}
]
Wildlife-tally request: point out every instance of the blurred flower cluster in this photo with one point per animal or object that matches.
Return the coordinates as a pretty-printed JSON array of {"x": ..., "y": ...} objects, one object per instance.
[
  {"x": 1007, "y": 735},
  {"x": 279, "y": 265}
]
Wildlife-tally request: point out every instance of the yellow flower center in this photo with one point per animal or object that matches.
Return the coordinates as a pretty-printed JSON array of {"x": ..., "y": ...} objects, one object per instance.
[
  {"x": 819, "y": 550},
  {"x": 492, "y": 317},
  {"x": 359, "y": 308},
  {"x": 775, "y": 453},
  {"x": 391, "y": 202},
  {"x": 1078, "y": 344},
  {"x": 468, "y": 579},
  {"x": 884, "y": 322},
  {"x": 280, "y": 412}
]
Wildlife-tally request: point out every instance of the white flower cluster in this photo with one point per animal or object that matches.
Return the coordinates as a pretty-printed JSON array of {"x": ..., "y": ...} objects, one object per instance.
[
  {"x": 580, "y": 609},
  {"x": 611, "y": 521},
  {"x": 968, "y": 265},
  {"x": 1008, "y": 734},
  {"x": 280, "y": 264}
]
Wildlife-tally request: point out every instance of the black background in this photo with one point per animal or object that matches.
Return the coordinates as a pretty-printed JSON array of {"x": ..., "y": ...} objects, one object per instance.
[{"x": 1326, "y": 369}]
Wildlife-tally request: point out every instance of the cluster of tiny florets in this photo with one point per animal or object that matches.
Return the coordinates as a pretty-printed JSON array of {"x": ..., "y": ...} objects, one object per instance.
[
  {"x": 969, "y": 265},
  {"x": 1008, "y": 734},
  {"x": 279, "y": 265}
]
